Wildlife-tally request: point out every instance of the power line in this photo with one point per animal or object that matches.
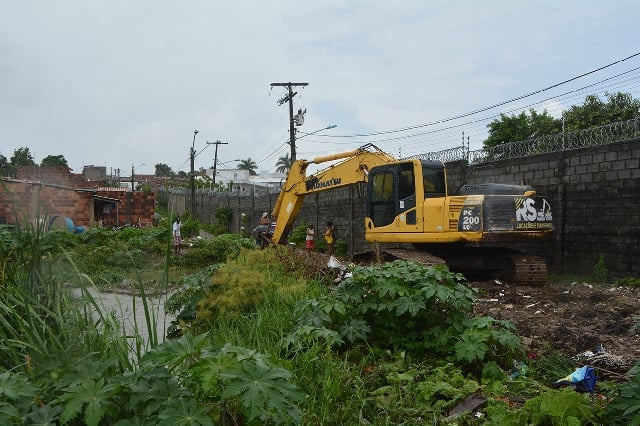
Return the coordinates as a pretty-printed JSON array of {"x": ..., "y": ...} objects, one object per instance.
[
  {"x": 491, "y": 106},
  {"x": 475, "y": 129},
  {"x": 572, "y": 94}
]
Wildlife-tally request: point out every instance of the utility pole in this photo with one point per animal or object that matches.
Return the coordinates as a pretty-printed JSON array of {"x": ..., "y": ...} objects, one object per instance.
[
  {"x": 193, "y": 174},
  {"x": 289, "y": 98},
  {"x": 215, "y": 158}
]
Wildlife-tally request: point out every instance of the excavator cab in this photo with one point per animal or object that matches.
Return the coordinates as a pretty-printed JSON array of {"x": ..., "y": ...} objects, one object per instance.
[{"x": 397, "y": 192}]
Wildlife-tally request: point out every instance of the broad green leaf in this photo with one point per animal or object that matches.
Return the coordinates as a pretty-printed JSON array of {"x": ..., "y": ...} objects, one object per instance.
[
  {"x": 482, "y": 322},
  {"x": 154, "y": 389},
  {"x": 46, "y": 415},
  {"x": 410, "y": 305},
  {"x": 95, "y": 398},
  {"x": 470, "y": 348},
  {"x": 173, "y": 353},
  {"x": 16, "y": 386},
  {"x": 261, "y": 389},
  {"x": 354, "y": 330},
  {"x": 186, "y": 413},
  {"x": 9, "y": 413},
  {"x": 332, "y": 337}
]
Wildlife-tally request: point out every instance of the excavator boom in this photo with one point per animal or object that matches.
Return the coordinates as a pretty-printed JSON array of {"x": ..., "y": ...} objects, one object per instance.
[{"x": 352, "y": 169}]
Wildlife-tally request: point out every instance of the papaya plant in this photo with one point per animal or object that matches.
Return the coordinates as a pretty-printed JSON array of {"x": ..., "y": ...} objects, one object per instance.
[{"x": 405, "y": 306}]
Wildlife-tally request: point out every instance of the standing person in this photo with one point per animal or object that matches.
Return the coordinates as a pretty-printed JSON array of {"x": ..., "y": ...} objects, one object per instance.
[
  {"x": 177, "y": 237},
  {"x": 265, "y": 220},
  {"x": 262, "y": 230},
  {"x": 311, "y": 234},
  {"x": 328, "y": 236}
]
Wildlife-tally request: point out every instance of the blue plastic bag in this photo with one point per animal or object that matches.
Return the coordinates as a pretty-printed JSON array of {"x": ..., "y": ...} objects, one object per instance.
[{"x": 583, "y": 379}]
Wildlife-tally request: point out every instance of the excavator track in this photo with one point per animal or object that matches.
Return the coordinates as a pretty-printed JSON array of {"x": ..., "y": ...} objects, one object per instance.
[
  {"x": 422, "y": 257},
  {"x": 529, "y": 269},
  {"x": 508, "y": 265}
]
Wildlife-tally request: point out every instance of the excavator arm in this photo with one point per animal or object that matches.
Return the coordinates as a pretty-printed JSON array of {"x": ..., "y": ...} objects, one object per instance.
[{"x": 352, "y": 168}]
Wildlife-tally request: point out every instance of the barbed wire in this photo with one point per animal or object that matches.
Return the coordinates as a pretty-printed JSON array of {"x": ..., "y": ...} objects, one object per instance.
[
  {"x": 446, "y": 155},
  {"x": 621, "y": 131}
]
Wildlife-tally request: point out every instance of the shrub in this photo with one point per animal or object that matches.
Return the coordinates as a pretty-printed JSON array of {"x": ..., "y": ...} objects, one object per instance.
[
  {"x": 600, "y": 271},
  {"x": 184, "y": 301},
  {"x": 406, "y": 306},
  {"x": 223, "y": 216},
  {"x": 208, "y": 251},
  {"x": 299, "y": 235},
  {"x": 232, "y": 290},
  {"x": 624, "y": 408}
]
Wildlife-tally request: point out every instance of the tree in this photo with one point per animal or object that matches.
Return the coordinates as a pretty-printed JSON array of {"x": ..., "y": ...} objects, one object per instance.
[
  {"x": 164, "y": 170},
  {"x": 521, "y": 127},
  {"x": 182, "y": 174},
  {"x": 5, "y": 168},
  {"x": 22, "y": 157},
  {"x": 54, "y": 160},
  {"x": 284, "y": 164},
  {"x": 249, "y": 165},
  {"x": 594, "y": 112}
]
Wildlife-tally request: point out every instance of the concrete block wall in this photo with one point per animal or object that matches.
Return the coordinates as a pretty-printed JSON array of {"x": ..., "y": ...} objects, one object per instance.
[
  {"x": 594, "y": 193},
  {"x": 595, "y": 199},
  {"x": 133, "y": 205}
]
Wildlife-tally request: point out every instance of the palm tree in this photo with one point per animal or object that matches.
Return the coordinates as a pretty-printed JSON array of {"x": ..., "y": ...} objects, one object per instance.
[
  {"x": 249, "y": 165},
  {"x": 284, "y": 164}
]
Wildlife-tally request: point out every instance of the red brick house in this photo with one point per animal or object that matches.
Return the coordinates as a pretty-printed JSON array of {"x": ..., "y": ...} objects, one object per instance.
[{"x": 48, "y": 192}]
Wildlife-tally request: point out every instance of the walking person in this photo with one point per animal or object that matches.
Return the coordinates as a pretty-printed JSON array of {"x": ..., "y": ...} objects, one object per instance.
[
  {"x": 177, "y": 237},
  {"x": 309, "y": 239},
  {"x": 328, "y": 237}
]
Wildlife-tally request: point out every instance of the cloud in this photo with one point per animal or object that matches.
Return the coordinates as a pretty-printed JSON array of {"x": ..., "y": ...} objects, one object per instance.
[{"x": 121, "y": 83}]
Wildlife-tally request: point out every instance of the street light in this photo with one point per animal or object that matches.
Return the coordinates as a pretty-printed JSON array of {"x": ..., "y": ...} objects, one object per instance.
[
  {"x": 304, "y": 135},
  {"x": 132, "y": 171},
  {"x": 293, "y": 139}
]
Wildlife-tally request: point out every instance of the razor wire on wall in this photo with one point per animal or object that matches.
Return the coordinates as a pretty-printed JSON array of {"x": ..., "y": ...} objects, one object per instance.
[{"x": 621, "y": 131}]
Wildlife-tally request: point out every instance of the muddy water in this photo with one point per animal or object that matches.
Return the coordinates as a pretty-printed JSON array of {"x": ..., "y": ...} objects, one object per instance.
[{"x": 129, "y": 310}]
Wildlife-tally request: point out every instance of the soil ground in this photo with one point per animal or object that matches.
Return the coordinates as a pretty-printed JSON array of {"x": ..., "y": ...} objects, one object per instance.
[{"x": 570, "y": 319}]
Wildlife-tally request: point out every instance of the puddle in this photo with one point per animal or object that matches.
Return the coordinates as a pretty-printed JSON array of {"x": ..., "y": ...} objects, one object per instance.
[{"x": 129, "y": 309}]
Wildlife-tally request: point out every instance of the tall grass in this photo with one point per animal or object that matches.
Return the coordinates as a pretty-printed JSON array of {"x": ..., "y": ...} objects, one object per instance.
[
  {"x": 41, "y": 321},
  {"x": 44, "y": 326}
]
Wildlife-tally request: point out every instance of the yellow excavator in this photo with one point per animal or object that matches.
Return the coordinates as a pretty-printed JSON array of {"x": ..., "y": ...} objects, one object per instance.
[{"x": 408, "y": 205}]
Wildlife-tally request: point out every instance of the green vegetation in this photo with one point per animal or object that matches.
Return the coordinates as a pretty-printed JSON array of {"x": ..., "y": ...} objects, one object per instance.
[
  {"x": 262, "y": 337},
  {"x": 592, "y": 113},
  {"x": 600, "y": 270},
  {"x": 299, "y": 233}
]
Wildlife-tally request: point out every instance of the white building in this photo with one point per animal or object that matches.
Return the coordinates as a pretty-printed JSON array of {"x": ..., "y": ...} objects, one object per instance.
[{"x": 240, "y": 182}]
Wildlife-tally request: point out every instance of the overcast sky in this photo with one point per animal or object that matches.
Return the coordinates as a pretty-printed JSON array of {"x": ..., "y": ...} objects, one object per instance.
[{"x": 121, "y": 83}]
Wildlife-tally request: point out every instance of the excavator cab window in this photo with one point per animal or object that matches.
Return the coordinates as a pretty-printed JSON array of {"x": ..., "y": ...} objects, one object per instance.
[
  {"x": 407, "y": 192},
  {"x": 433, "y": 181},
  {"x": 392, "y": 191},
  {"x": 382, "y": 196}
]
